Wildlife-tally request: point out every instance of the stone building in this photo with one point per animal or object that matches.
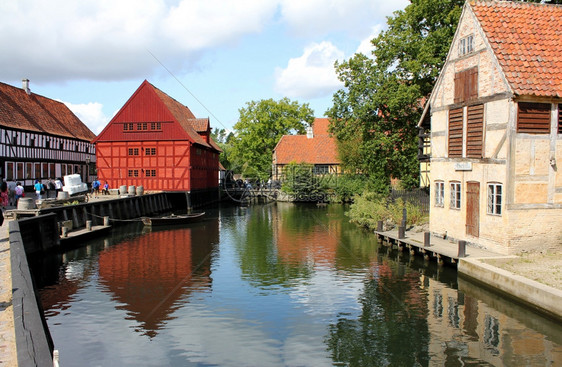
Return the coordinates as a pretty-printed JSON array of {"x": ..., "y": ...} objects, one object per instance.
[{"x": 496, "y": 129}]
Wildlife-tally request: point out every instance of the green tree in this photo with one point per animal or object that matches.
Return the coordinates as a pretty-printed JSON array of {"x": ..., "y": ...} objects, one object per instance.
[
  {"x": 224, "y": 140},
  {"x": 261, "y": 126},
  {"x": 374, "y": 117}
]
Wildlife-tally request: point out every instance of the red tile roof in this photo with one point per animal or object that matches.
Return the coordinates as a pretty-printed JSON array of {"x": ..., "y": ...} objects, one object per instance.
[
  {"x": 527, "y": 40},
  {"x": 321, "y": 149},
  {"x": 183, "y": 115},
  {"x": 36, "y": 113}
]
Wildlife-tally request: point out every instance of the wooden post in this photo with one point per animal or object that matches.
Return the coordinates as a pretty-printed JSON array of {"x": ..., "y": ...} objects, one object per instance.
[
  {"x": 379, "y": 226},
  {"x": 106, "y": 221},
  {"x": 65, "y": 231},
  {"x": 426, "y": 239},
  {"x": 89, "y": 225},
  {"x": 401, "y": 232},
  {"x": 462, "y": 248}
]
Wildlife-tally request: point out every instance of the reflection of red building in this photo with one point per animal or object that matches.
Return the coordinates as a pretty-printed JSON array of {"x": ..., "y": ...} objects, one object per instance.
[
  {"x": 156, "y": 142},
  {"x": 151, "y": 274}
]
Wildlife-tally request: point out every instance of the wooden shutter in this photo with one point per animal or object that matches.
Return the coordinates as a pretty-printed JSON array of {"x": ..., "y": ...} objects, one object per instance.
[
  {"x": 466, "y": 85},
  {"x": 459, "y": 87},
  {"x": 560, "y": 119},
  {"x": 475, "y": 131},
  {"x": 533, "y": 118},
  {"x": 472, "y": 84},
  {"x": 455, "y": 132}
]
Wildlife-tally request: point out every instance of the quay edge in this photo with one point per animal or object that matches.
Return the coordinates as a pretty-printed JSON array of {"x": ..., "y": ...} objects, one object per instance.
[{"x": 540, "y": 297}]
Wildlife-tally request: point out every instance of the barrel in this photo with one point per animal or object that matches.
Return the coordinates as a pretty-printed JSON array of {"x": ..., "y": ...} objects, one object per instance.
[
  {"x": 26, "y": 203},
  {"x": 140, "y": 190},
  {"x": 122, "y": 190},
  {"x": 132, "y": 190},
  {"x": 62, "y": 195}
]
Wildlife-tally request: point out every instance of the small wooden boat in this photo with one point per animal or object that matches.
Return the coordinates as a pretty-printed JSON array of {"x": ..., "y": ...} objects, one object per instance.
[{"x": 172, "y": 219}]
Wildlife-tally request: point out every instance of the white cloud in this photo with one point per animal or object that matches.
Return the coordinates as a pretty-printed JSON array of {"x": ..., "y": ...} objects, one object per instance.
[
  {"x": 108, "y": 40},
  {"x": 90, "y": 114},
  {"x": 311, "y": 75},
  {"x": 366, "y": 47},
  {"x": 313, "y": 17}
]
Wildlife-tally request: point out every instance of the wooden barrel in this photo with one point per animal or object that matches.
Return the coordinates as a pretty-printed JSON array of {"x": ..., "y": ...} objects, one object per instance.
[{"x": 26, "y": 203}]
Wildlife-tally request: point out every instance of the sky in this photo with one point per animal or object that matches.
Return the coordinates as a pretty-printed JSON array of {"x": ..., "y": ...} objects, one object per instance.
[{"x": 214, "y": 56}]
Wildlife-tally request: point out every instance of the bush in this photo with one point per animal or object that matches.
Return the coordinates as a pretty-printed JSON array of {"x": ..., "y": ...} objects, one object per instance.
[{"x": 368, "y": 208}]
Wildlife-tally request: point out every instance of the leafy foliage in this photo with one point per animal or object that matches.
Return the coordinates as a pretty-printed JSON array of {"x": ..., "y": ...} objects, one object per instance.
[
  {"x": 301, "y": 181},
  {"x": 374, "y": 118},
  {"x": 224, "y": 141},
  {"x": 259, "y": 129}
]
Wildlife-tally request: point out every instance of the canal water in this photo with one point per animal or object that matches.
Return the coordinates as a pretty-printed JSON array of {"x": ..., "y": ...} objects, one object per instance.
[{"x": 276, "y": 285}]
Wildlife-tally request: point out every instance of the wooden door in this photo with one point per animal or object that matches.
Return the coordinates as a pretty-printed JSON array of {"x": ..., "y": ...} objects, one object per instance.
[{"x": 473, "y": 208}]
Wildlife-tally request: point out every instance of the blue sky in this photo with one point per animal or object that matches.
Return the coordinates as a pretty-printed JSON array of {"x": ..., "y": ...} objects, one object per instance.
[{"x": 93, "y": 54}]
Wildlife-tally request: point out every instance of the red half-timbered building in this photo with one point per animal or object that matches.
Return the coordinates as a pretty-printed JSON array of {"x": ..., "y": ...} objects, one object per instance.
[{"x": 156, "y": 142}]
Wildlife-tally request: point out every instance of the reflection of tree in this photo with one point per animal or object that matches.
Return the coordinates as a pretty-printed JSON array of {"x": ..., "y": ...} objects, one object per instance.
[
  {"x": 258, "y": 255},
  {"x": 391, "y": 329}
]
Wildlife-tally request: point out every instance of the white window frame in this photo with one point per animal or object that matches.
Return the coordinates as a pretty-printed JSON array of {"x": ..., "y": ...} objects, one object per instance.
[
  {"x": 440, "y": 193},
  {"x": 495, "y": 199},
  {"x": 466, "y": 45},
  {"x": 455, "y": 195}
]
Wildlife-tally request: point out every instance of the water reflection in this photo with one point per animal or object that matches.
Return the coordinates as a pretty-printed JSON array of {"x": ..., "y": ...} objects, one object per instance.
[
  {"x": 277, "y": 285},
  {"x": 152, "y": 275}
]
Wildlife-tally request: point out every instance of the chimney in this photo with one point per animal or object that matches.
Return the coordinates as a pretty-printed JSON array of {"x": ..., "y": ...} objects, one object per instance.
[
  {"x": 25, "y": 86},
  {"x": 309, "y": 132}
]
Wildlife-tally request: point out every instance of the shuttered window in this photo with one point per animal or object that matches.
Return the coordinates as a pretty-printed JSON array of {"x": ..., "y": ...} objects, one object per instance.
[
  {"x": 466, "y": 85},
  {"x": 475, "y": 131},
  {"x": 455, "y": 132},
  {"x": 533, "y": 118},
  {"x": 560, "y": 119}
]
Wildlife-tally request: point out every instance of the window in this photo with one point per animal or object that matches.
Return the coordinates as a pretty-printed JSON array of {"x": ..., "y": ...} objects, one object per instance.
[
  {"x": 150, "y": 151},
  {"x": 155, "y": 126},
  {"x": 439, "y": 193},
  {"x": 455, "y": 195},
  {"x": 145, "y": 125},
  {"x": 28, "y": 170},
  {"x": 466, "y": 45},
  {"x": 133, "y": 151},
  {"x": 475, "y": 131},
  {"x": 125, "y": 127},
  {"x": 133, "y": 173},
  {"x": 560, "y": 119},
  {"x": 321, "y": 169},
  {"x": 495, "y": 198},
  {"x": 9, "y": 171},
  {"x": 533, "y": 118},
  {"x": 139, "y": 125},
  {"x": 466, "y": 85},
  {"x": 150, "y": 172},
  {"x": 455, "y": 132}
]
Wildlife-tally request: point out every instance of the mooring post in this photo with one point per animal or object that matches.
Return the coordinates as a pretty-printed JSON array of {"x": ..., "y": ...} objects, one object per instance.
[
  {"x": 64, "y": 231},
  {"x": 462, "y": 248},
  {"x": 426, "y": 239},
  {"x": 89, "y": 225},
  {"x": 404, "y": 217},
  {"x": 106, "y": 221},
  {"x": 379, "y": 226},
  {"x": 401, "y": 232}
]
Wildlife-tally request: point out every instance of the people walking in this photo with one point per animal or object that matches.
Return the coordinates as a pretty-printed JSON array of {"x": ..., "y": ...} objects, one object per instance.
[
  {"x": 96, "y": 187},
  {"x": 58, "y": 187},
  {"x": 4, "y": 199},
  {"x": 39, "y": 188},
  {"x": 18, "y": 190},
  {"x": 105, "y": 189}
]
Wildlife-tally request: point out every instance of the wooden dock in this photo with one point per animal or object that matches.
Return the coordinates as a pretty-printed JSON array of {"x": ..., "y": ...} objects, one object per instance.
[{"x": 442, "y": 250}]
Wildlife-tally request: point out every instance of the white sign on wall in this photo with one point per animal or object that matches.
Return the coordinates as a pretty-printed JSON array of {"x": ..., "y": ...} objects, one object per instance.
[{"x": 463, "y": 166}]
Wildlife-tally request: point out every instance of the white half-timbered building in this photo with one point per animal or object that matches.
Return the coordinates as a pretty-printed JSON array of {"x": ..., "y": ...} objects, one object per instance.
[{"x": 41, "y": 138}]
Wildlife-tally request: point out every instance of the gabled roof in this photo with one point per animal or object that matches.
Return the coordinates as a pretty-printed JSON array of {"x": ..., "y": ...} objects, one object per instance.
[
  {"x": 182, "y": 114},
  {"x": 321, "y": 149},
  {"x": 527, "y": 41},
  {"x": 36, "y": 113}
]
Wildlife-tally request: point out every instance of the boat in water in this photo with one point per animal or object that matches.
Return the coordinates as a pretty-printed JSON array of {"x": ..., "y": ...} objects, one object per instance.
[{"x": 172, "y": 219}]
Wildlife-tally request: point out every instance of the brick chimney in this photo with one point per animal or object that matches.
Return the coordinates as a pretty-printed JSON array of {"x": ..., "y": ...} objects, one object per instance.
[
  {"x": 309, "y": 132},
  {"x": 25, "y": 86}
]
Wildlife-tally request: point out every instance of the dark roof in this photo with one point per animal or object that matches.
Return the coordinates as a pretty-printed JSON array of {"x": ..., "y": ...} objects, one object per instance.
[{"x": 36, "y": 113}]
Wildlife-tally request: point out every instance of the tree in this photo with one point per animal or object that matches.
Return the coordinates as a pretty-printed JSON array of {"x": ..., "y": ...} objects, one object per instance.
[
  {"x": 224, "y": 141},
  {"x": 261, "y": 126},
  {"x": 374, "y": 118}
]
